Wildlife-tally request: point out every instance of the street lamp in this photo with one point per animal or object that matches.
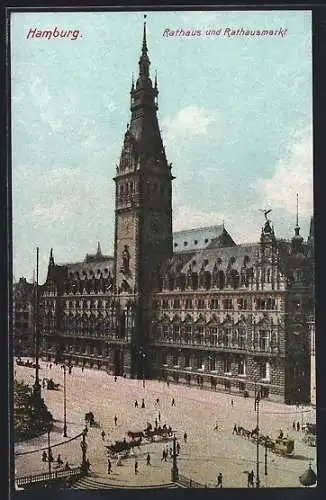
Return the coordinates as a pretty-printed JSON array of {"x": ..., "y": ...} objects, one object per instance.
[
  {"x": 50, "y": 457},
  {"x": 64, "y": 401},
  {"x": 257, "y": 401},
  {"x": 265, "y": 458},
  {"x": 142, "y": 354},
  {"x": 37, "y": 385},
  {"x": 59, "y": 358},
  {"x": 174, "y": 470},
  {"x": 83, "y": 446}
]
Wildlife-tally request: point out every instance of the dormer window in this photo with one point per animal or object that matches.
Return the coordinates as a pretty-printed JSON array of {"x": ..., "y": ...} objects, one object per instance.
[
  {"x": 196, "y": 242},
  {"x": 206, "y": 240},
  {"x": 185, "y": 243}
]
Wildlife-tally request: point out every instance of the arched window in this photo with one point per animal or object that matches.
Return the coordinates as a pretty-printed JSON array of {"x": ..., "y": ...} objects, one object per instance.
[
  {"x": 194, "y": 281},
  {"x": 221, "y": 280},
  {"x": 234, "y": 278}
]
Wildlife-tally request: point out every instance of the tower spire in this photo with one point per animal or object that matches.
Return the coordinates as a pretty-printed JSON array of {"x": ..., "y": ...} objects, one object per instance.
[
  {"x": 144, "y": 48},
  {"x": 297, "y": 227},
  {"x": 144, "y": 60},
  {"x": 297, "y": 238}
]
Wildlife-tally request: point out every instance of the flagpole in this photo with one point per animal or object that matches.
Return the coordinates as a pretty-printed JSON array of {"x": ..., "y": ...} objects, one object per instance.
[{"x": 37, "y": 385}]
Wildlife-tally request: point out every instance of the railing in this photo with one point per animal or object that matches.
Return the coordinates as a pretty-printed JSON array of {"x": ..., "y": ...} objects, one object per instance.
[
  {"x": 189, "y": 483},
  {"x": 47, "y": 476},
  {"x": 90, "y": 335},
  {"x": 223, "y": 346}
]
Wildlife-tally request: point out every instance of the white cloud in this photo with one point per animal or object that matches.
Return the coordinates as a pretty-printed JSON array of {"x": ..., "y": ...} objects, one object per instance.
[
  {"x": 186, "y": 217},
  {"x": 56, "y": 209},
  {"x": 192, "y": 121},
  {"x": 293, "y": 174},
  {"x": 41, "y": 98},
  {"x": 60, "y": 192},
  {"x": 109, "y": 104}
]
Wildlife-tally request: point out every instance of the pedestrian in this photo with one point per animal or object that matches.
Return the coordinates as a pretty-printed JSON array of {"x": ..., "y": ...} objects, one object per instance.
[
  {"x": 136, "y": 467},
  {"x": 109, "y": 466},
  {"x": 115, "y": 378},
  {"x": 159, "y": 416},
  {"x": 156, "y": 423},
  {"x": 163, "y": 455},
  {"x": 232, "y": 403},
  {"x": 281, "y": 434},
  {"x": 167, "y": 383},
  {"x": 298, "y": 426},
  {"x": 44, "y": 456},
  {"x": 185, "y": 437},
  {"x": 172, "y": 402},
  {"x": 220, "y": 480},
  {"x": 178, "y": 448},
  {"x": 67, "y": 466},
  {"x": 294, "y": 425},
  {"x": 59, "y": 460},
  {"x": 157, "y": 401},
  {"x": 70, "y": 369},
  {"x": 136, "y": 404},
  {"x": 148, "y": 459},
  {"x": 170, "y": 452},
  {"x": 50, "y": 366},
  {"x": 103, "y": 435},
  {"x": 115, "y": 420},
  {"x": 82, "y": 368},
  {"x": 235, "y": 429},
  {"x": 142, "y": 403}
]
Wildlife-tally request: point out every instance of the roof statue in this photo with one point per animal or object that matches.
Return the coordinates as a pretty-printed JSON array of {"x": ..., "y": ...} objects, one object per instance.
[{"x": 267, "y": 227}]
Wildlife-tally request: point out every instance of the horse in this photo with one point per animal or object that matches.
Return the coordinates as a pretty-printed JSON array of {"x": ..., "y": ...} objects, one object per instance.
[{"x": 136, "y": 434}]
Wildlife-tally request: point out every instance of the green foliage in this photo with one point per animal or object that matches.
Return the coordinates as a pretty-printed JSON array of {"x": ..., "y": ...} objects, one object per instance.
[{"x": 31, "y": 416}]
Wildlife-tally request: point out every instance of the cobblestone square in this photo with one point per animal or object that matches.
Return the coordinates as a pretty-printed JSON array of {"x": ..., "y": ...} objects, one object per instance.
[{"x": 207, "y": 451}]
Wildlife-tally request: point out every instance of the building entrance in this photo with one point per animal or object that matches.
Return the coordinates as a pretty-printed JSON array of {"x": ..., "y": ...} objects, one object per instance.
[{"x": 118, "y": 360}]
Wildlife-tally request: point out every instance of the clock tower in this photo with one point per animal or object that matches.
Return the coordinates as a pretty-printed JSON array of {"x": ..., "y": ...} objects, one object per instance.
[{"x": 143, "y": 205}]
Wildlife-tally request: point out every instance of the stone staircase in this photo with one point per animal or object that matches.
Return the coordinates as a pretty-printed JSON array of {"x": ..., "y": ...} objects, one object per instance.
[{"x": 96, "y": 482}]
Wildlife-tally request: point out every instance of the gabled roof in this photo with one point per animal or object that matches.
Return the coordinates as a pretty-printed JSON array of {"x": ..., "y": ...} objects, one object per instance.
[
  {"x": 237, "y": 255},
  {"x": 191, "y": 240}
]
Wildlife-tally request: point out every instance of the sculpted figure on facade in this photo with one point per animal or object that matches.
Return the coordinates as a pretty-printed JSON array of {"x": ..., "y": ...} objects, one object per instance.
[{"x": 125, "y": 260}]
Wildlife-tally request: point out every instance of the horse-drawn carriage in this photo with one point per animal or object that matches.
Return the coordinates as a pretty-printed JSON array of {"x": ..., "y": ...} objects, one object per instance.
[
  {"x": 281, "y": 445},
  {"x": 149, "y": 434},
  {"x": 123, "y": 448},
  {"x": 158, "y": 433},
  {"x": 52, "y": 386},
  {"x": 28, "y": 363}
]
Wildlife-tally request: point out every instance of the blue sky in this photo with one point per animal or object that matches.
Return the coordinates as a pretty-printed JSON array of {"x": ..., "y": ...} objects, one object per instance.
[{"x": 235, "y": 115}]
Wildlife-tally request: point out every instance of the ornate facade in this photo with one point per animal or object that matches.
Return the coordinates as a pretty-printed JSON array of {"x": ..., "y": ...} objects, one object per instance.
[
  {"x": 23, "y": 318},
  {"x": 193, "y": 306}
]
